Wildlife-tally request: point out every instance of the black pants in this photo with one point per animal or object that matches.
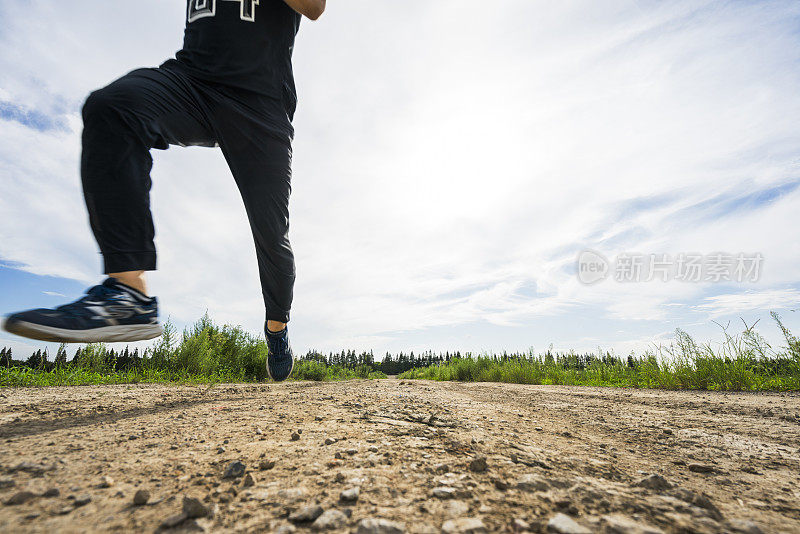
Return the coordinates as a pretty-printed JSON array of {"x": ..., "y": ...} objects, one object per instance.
[{"x": 154, "y": 108}]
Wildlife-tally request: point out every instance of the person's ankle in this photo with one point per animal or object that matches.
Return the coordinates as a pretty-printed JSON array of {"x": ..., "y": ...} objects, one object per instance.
[
  {"x": 132, "y": 279},
  {"x": 275, "y": 327}
]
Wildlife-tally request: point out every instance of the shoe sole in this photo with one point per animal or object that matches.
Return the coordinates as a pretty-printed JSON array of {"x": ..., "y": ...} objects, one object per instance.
[
  {"x": 128, "y": 332},
  {"x": 287, "y": 376}
]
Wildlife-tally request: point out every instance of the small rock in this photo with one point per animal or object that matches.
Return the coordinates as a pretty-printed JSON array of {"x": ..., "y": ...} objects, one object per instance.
[
  {"x": 51, "y": 492},
  {"x": 654, "y": 482},
  {"x": 318, "y": 418},
  {"x": 193, "y": 508},
  {"x": 141, "y": 497},
  {"x": 701, "y": 468},
  {"x": 478, "y": 464},
  {"x": 299, "y": 430},
  {"x": 329, "y": 441},
  {"x": 234, "y": 470},
  {"x": 350, "y": 494},
  {"x": 106, "y": 482},
  {"x": 464, "y": 525},
  {"x": 532, "y": 482},
  {"x": 172, "y": 521},
  {"x": 564, "y": 524},
  {"x": 265, "y": 465},
  {"x": 500, "y": 484},
  {"x": 456, "y": 509},
  {"x": 306, "y": 514},
  {"x": 248, "y": 481},
  {"x": 82, "y": 500},
  {"x": 286, "y": 529},
  {"x": 351, "y": 452},
  {"x": 619, "y": 524},
  {"x": 259, "y": 431},
  {"x": 64, "y": 510},
  {"x": 21, "y": 497},
  {"x": 443, "y": 492},
  {"x": 329, "y": 520},
  {"x": 744, "y": 526},
  {"x": 667, "y": 431},
  {"x": 221, "y": 449},
  {"x": 520, "y": 525},
  {"x": 295, "y": 436},
  {"x": 441, "y": 468},
  {"x": 380, "y": 526}
]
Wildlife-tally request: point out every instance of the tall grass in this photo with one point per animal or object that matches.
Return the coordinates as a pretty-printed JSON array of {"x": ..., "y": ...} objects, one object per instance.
[
  {"x": 741, "y": 362},
  {"x": 202, "y": 353}
]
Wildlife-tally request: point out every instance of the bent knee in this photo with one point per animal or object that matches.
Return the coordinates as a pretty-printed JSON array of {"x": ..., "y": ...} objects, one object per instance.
[{"x": 98, "y": 104}]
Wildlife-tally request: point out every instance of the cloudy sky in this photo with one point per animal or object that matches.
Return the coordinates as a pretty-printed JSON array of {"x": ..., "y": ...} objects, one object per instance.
[{"x": 452, "y": 160}]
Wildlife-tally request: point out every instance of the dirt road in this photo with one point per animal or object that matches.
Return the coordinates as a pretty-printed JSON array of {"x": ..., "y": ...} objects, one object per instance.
[{"x": 391, "y": 456}]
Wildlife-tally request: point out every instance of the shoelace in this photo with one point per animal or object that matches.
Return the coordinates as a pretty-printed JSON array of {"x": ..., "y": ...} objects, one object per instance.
[
  {"x": 280, "y": 343},
  {"x": 79, "y": 307}
]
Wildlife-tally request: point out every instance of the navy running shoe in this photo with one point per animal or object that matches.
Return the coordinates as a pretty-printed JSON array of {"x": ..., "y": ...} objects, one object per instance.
[
  {"x": 109, "y": 312},
  {"x": 280, "y": 360}
]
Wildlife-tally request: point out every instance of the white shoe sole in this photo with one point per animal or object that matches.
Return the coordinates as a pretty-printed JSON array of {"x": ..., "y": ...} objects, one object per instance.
[{"x": 110, "y": 334}]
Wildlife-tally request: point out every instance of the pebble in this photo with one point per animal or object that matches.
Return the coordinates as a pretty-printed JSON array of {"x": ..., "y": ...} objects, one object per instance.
[
  {"x": 141, "y": 497},
  {"x": 745, "y": 526},
  {"x": 456, "y": 509},
  {"x": 619, "y": 524},
  {"x": 520, "y": 525},
  {"x": 82, "y": 500},
  {"x": 193, "y": 507},
  {"x": 329, "y": 520},
  {"x": 265, "y": 465},
  {"x": 329, "y": 441},
  {"x": 701, "y": 468},
  {"x": 443, "y": 492},
  {"x": 295, "y": 436},
  {"x": 21, "y": 497},
  {"x": 464, "y": 525},
  {"x": 654, "y": 482},
  {"x": 380, "y": 526},
  {"x": 306, "y": 514},
  {"x": 441, "y": 468},
  {"x": 221, "y": 449},
  {"x": 351, "y": 452},
  {"x": 350, "y": 494},
  {"x": 532, "y": 482},
  {"x": 172, "y": 521},
  {"x": 234, "y": 470},
  {"x": 106, "y": 482},
  {"x": 248, "y": 481},
  {"x": 51, "y": 492},
  {"x": 564, "y": 524},
  {"x": 478, "y": 464}
]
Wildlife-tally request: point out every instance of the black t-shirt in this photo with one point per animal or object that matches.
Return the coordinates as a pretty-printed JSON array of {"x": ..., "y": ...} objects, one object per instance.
[{"x": 242, "y": 43}]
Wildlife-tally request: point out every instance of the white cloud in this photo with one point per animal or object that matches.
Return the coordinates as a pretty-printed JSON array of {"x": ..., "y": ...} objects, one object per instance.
[
  {"x": 450, "y": 162},
  {"x": 736, "y": 303}
]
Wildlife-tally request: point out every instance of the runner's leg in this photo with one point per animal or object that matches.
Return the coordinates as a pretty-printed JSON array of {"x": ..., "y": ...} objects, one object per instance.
[{"x": 147, "y": 108}]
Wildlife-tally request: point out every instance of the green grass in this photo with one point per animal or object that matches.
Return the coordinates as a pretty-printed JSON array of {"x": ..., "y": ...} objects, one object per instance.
[
  {"x": 203, "y": 353},
  {"x": 743, "y": 362},
  {"x": 208, "y": 353}
]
